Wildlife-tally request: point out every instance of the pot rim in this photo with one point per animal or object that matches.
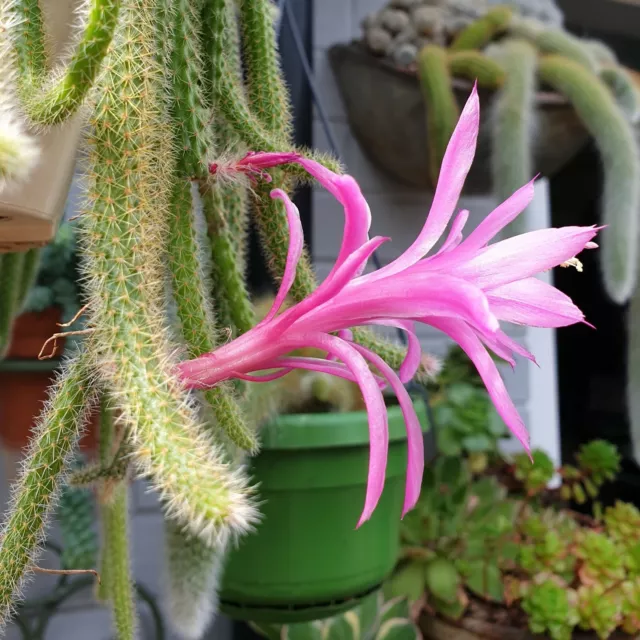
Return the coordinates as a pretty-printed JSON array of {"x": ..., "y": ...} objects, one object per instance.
[{"x": 333, "y": 430}]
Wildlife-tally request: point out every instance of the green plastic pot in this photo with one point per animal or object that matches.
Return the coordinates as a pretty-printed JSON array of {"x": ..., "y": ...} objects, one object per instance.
[{"x": 306, "y": 560}]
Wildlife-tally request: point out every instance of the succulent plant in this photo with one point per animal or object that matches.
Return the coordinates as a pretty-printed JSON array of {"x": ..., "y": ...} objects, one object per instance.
[
  {"x": 505, "y": 538},
  {"x": 550, "y": 610}
]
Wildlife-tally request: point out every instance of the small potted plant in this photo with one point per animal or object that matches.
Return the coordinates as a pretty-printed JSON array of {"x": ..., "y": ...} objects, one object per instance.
[
  {"x": 312, "y": 473},
  {"x": 39, "y": 311},
  {"x": 501, "y": 555}
]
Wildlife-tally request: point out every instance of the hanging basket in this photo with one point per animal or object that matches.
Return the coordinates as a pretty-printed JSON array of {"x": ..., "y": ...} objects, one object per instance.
[
  {"x": 306, "y": 560},
  {"x": 30, "y": 211},
  {"x": 387, "y": 116}
]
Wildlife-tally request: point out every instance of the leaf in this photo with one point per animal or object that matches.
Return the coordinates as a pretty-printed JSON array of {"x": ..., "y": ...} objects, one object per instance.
[
  {"x": 398, "y": 629},
  {"x": 453, "y": 610},
  {"x": 477, "y": 444},
  {"x": 304, "y": 630},
  {"x": 407, "y": 582},
  {"x": 442, "y": 579},
  {"x": 495, "y": 424},
  {"x": 269, "y": 631},
  {"x": 485, "y": 579},
  {"x": 447, "y": 441},
  {"x": 396, "y": 608},
  {"x": 451, "y": 471},
  {"x": 343, "y": 627},
  {"x": 460, "y": 394}
]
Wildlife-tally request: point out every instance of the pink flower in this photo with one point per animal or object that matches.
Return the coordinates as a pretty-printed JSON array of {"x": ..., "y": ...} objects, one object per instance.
[{"x": 465, "y": 290}]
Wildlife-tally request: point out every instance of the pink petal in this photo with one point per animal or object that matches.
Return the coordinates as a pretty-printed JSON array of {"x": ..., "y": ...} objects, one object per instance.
[
  {"x": 499, "y": 218},
  {"x": 534, "y": 303},
  {"x": 453, "y": 172},
  {"x": 524, "y": 255},
  {"x": 407, "y": 296},
  {"x": 470, "y": 343},
  {"x": 357, "y": 214},
  {"x": 296, "y": 243},
  {"x": 411, "y": 361},
  {"x": 267, "y": 377},
  {"x": 455, "y": 234},
  {"x": 376, "y": 410},
  {"x": 321, "y": 366},
  {"x": 344, "y": 334},
  {"x": 332, "y": 284},
  {"x": 415, "y": 445}
]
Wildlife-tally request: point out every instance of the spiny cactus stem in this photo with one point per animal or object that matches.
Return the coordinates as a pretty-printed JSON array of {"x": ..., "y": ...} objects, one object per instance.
[
  {"x": 125, "y": 231},
  {"x": 58, "y": 430},
  {"x": 120, "y": 584},
  {"x": 29, "y": 274},
  {"x": 28, "y": 37},
  {"x": 194, "y": 312},
  {"x": 266, "y": 90},
  {"x": 57, "y": 102},
  {"x": 513, "y": 123},
  {"x": 11, "y": 269},
  {"x": 442, "y": 108},
  {"x": 616, "y": 142}
]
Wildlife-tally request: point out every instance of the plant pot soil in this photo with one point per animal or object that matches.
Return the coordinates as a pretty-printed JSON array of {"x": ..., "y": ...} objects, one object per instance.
[
  {"x": 23, "y": 392},
  {"x": 306, "y": 559},
  {"x": 485, "y": 621},
  {"x": 387, "y": 116}
]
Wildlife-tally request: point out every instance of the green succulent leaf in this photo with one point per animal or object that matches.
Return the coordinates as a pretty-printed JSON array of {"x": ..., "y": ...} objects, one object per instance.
[
  {"x": 442, "y": 579},
  {"x": 398, "y": 629},
  {"x": 485, "y": 579},
  {"x": 407, "y": 582}
]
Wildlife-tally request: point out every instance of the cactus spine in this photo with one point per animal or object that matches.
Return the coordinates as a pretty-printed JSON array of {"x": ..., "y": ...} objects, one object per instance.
[
  {"x": 442, "y": 108},
  {"x": 35, "y": 493},
  {"x": 512, "y": 123},
  {"x": 618, "y": 148}
]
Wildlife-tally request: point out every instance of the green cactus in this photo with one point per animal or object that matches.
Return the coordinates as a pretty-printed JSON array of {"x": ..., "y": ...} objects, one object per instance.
[
  {"x": 615, "y": 139},
  {"x": 79, "y": 541},
  {"x": 50, "y": 101},
  {"x": 513, "y": 126},
  {"x": 484, "y": 30},
  {"x": 624, "y": 89},
  {"x": 41, "y": 477},
  {"x": 440, "y": 102},
  {"x": 11, "y": 268},
  {"x": 473, "y": 65}
]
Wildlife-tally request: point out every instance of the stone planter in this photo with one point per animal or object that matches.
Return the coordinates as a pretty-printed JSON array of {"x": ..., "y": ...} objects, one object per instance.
[{"x": 386, "y": 113}]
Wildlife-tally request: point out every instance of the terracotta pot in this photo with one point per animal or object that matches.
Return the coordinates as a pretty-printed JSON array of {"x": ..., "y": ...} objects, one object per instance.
[
  {"x": 24, "y": 380},
  {"x": 434, "y": 628},
  {"x": 30, "y": 212},
  {"x": 387, "y": 116}
]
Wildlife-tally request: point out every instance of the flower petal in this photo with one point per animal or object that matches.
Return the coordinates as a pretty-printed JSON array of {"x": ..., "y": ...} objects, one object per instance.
[
  {"x": 523, "y": 256},
  {"x": 534, "y": 303},
  {"x": 321, "y": 366},
  {"x": 376, "y": 410},
  {"x": 332, "y": 284},
  {"x": 455, "y": 234},
  {"x": 415, "y": 444},
  {"x": 499, "y": 218},
  {"x": 412, "y": 360},
  {"x": 357, "y": 215},
  {"x": 473, "y": 347},
  {"x": 296, "y": 243},
  {"x": 407, "y": 296},
  {"x": 453, "y": 172}
]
